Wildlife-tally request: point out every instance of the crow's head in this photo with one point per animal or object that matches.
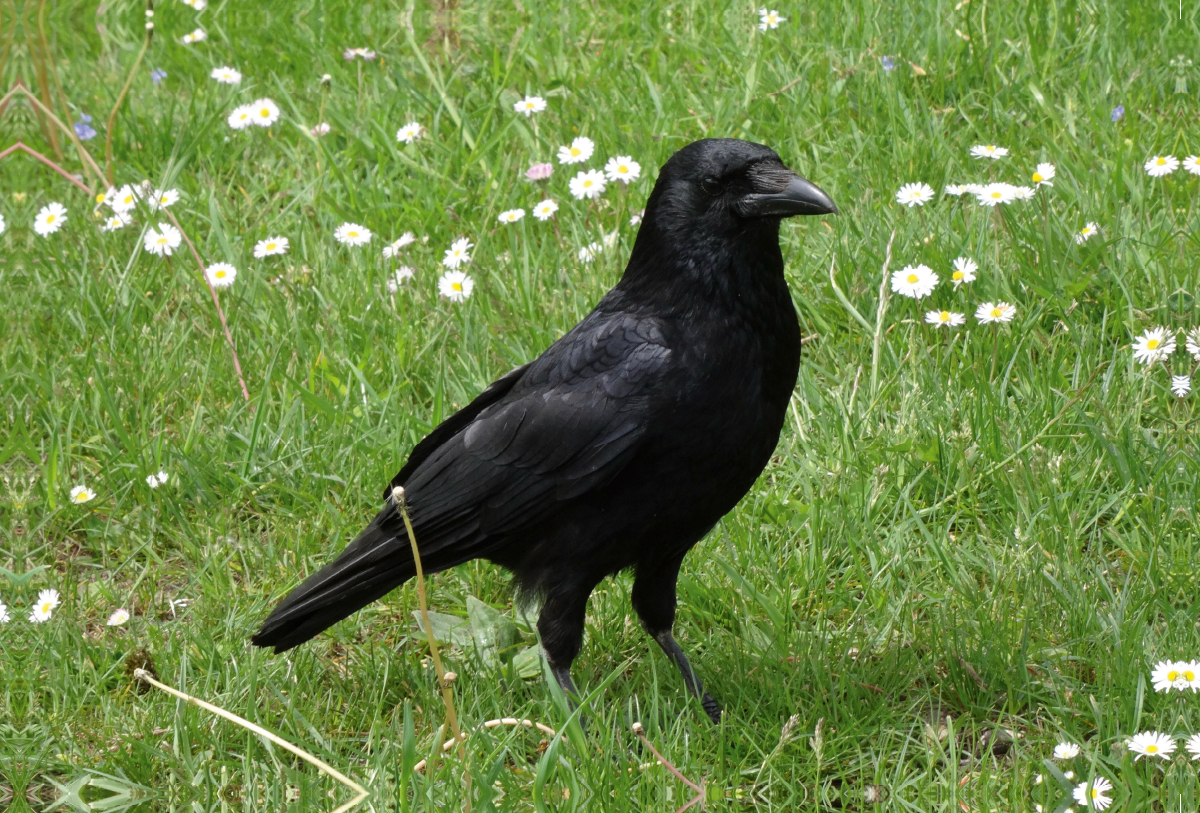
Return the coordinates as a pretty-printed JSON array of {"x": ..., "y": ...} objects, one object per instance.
[{"x": 723, "y": 186}]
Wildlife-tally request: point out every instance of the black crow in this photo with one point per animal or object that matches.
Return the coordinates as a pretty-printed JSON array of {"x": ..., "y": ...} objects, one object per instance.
[{"x": 622, "y": 444}]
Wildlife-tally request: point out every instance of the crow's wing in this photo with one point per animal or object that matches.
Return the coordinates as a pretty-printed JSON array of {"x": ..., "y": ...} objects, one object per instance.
[{"x": 568, "y": 423}]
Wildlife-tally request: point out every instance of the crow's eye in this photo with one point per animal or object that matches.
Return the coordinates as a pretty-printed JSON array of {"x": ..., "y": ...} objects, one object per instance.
[{"x": 711, "y": 186}]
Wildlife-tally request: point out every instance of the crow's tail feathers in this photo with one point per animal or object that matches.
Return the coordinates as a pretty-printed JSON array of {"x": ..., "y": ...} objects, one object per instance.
[{"x": 371, "y": 566}]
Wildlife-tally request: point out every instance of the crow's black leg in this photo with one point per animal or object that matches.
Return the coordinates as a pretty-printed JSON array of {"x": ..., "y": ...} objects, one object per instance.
[
  {"x": 654, "y": 600},
  {"x": 560, "y": 625}
]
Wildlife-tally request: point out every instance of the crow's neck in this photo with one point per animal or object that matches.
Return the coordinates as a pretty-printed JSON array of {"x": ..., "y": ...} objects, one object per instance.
[{"x": 710, "y": 275}]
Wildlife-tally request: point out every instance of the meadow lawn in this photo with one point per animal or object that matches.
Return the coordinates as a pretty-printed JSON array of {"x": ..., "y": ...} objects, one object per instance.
[{"x": 973, "y": 542}]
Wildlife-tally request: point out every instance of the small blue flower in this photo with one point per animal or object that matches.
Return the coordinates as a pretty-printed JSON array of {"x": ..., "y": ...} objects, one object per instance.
[
  {"x": 157, "y": 75},
  {"x": 889, "y": 64},
  {"x": 1118, "y": 112},
  {"x": 83, "y": 129}
]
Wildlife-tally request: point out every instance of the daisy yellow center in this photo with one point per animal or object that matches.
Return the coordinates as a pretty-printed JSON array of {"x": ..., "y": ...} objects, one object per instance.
[
  {"x": 1161, "y": 161},
  {"x": 989, "y": 148},
  {"x": 46, "y": 607},
  {"x": 1189, "y": 675},
  {"x": 50, "y": 218},
  {"x": 1151, "y": 749},
  {"x": 575, "y": 151},
  {"x": 220, "y": 274},
  {"x": 997, "y": 195},
  {"x": 587, "y": 183},
  {"x": 997, "y": 313},
  {"x": 1095, "y": 793},
  {"x": 100, "y": 199},
  {"x": 912, "y": 279},
  {"x": 1152, "y": 344},
  {"x": 265, "y": 113},
  {"x": 957, "y": 275},
  {"x": 270, "y": 246},
  {"x": 456, "y": 286},
  {"x": 622, "y": 168},
  {"x": 944, "y": 316},
  {"x": 1037, "y": 177},
  {"x": 162, "y": 239},
  {"x": 352, "y": 234}
]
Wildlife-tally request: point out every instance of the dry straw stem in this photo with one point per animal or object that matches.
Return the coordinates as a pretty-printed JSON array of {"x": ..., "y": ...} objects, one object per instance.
[
  {"x": 237, "y": 365},
  {"x": 447, "y": 694},
  {"x": 83, "y": 153},
  {"x": 640, "y": 731},
  {"x": 360, "y": 792}
]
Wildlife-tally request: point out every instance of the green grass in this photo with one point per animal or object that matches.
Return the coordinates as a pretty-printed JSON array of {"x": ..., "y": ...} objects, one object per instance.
[{"x": 994, "y": 525}]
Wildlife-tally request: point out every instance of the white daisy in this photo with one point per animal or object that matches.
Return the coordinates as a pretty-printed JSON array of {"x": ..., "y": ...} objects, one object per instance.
[
  {"x": 1193, "y": 746},
  {"x": 914, "y": 194},
  {"x": 458, "y": 253},
  {"x": 393, "y": 249},
  {"x": 409, "y": 133},
  {"x": 964, "y": 271},
  {"x": 117, "y": 221},
  {"x": 124, "y": 199},
  {"x": 545, "y": 210},
  {"x": 623, "y": 168},
  {"x": 265, "y": 112},
  {"x": 1088, "y": 231},
  {"x": 988, "y": 151},
  {"x": 50, "y": 218},
  {"x": 1066, "y": 750},
  {"x": 956, "y": 189},
  {"x": 589, "y": 252},
  {"x": 580, "y": 150},
  {"x": 1023, "y": 192},
  {"x": 1151, "y": 744},
  {"x": 270, "y": 247},
  {"x": 1165, "y": 675},
  {"x": 1192, "y": 164},
  {"x": 220, "y": 275},
  {"x": 1160, "y": 165},
  {"x": 198, "y": 5},
  {"x": 241, "y": 117},
  {"x": 1153, "y": 345},
  {"x": 1181, "y": 385},
  {"x": 118, "y": 618},
  {"x": 162, "y": 198},
  {"x": 1094, "y": 796},
  {"x": 401, "y": 275},
  {"x": 769, "y": 19},
  {"x": 82, "y": 494},
  {"x": 530, "y": 105},
  {"x": 1044, "y": 175},
  {"x": 1193, "y": 342},
  {"x": 196, "y": 36},
  {"x": 352, "y": 234},
  {"x": 4, "y": 616},
  {"x": 226, "y": 76},
  {"x": 995, "y": 193},
  {"x": 162, "y": 477},
  {"x": 47, "y": 600},
  {"x": 915, "y": 281},
  {"x": 588, "y": 184},
  {"x": 164, "y": 241},
  {"x": 998, "y": 312},
  {"x": 152, "y": 480},
  {"x": 945, "y": 318},
  {"x": 455, "y": 286},
  {"x": 511, "y": 216}
]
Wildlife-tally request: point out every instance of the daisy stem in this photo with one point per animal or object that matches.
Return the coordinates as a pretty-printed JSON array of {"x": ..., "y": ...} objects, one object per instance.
[
  {"x": 995, "y": 352},
  {"x": 112, "y": 117},
  {"x": 237, "y": 365}
]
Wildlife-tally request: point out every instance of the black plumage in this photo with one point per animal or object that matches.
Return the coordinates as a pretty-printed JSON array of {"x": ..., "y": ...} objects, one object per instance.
[{"x": 622, "y": 444}]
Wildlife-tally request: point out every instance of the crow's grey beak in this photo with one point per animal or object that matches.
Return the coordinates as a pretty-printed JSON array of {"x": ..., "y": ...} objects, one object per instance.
[{"x": 800, "y": 197}]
